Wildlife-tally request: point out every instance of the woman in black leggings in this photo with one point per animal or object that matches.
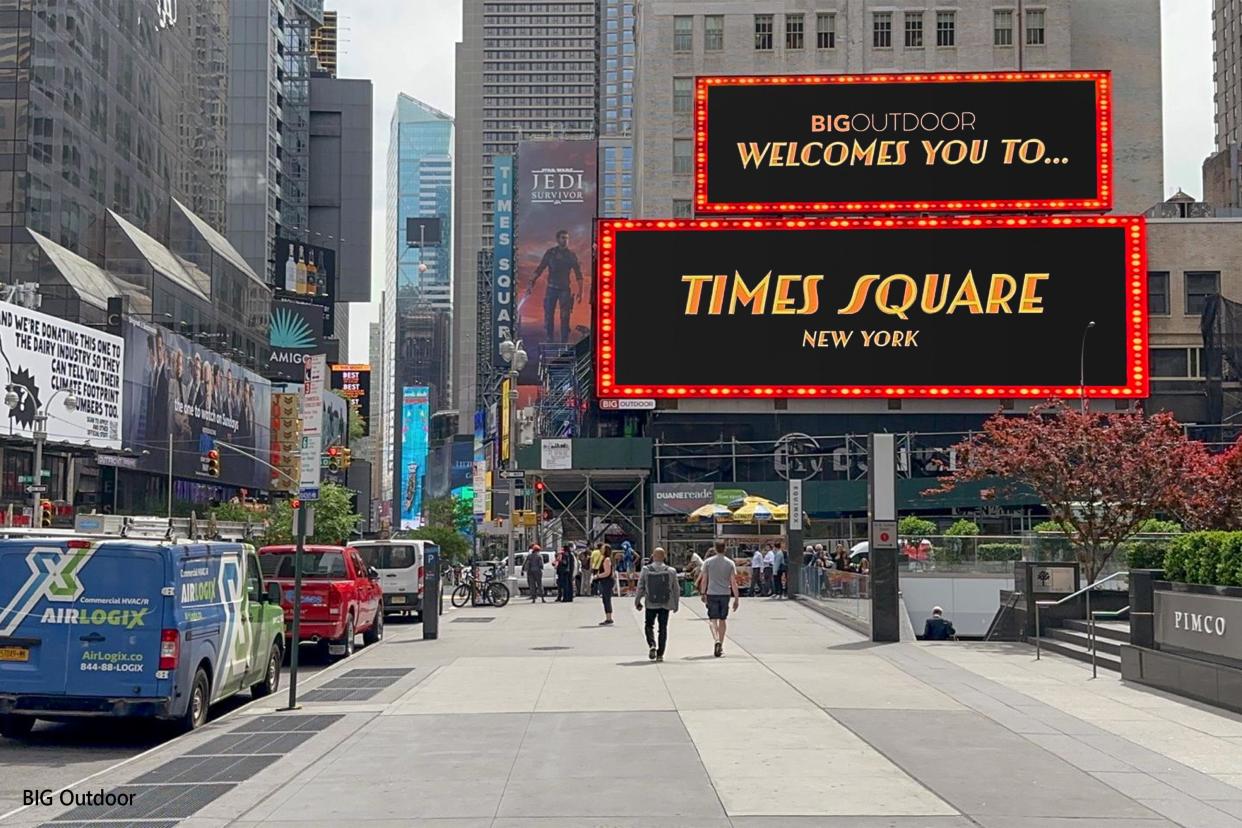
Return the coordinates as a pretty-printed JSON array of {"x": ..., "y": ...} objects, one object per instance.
[{"x": 604, "y": 581}]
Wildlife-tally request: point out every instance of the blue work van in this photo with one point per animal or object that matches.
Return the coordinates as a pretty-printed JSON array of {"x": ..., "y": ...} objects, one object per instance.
[{"x": 119, "y": 627}]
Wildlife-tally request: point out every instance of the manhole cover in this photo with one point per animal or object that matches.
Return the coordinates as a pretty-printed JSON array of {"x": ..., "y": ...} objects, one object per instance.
[
  {"x": 475, "y": 620},
  {"x": 551, "y": 648}
]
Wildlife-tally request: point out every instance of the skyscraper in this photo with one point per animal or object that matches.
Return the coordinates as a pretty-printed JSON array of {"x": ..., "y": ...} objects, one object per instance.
[
  {"x": 525, "y": 69},
  {"x": 617, "y": 59},
  {"x": 418, "y": 279}
]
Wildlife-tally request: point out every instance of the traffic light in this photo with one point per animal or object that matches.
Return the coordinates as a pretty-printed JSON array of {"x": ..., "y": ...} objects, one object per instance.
[
  {"x": 334, "y": 458},
  {"x": 45, "y": 513},
  {"x": 213, "y": 463},
  {"x": 347, "y": 457},
  {"x": 540, "y": 486}
]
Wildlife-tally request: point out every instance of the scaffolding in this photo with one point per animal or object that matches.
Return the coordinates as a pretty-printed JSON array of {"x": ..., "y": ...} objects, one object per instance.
[{"x": 566, "y": 374}]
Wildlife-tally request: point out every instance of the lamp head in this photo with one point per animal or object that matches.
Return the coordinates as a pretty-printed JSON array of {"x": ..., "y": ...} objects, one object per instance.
[
  {"x": 507, "y": 350},
  {"x": 11, "y": 399},
  {"x": 71, "y": 403}
]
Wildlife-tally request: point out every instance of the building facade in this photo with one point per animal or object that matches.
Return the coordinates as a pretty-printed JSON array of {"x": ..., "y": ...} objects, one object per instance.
[
  {"x": 679, "y": 39},
  {"x": 618, "y": 57},
  {"x": 525, "y": 69}
]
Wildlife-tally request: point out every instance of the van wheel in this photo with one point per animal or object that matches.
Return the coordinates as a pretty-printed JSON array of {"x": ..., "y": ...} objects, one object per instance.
[
  {"x": 271, "y": 679},
  {"x": 16, "y": 727},
  {"x": 195, "y": 715},
  {"x": 375, "y": 633}
]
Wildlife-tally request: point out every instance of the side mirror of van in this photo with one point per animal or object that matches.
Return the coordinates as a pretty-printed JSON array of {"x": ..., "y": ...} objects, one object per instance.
[
  {"x": 273, "y": 594},
  {"x": 372, "y": 573}
]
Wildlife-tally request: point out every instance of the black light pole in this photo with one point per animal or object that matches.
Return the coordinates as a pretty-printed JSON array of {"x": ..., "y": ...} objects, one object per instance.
[{"x": 1082, "y": 365}]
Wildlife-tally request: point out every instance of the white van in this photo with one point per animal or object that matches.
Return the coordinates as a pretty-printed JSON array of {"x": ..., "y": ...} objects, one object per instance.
[{"x": 400, "y": 565}]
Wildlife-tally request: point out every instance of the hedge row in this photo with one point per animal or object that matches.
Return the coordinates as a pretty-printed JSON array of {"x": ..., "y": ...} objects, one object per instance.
[{"x": 1205, "y": 558}]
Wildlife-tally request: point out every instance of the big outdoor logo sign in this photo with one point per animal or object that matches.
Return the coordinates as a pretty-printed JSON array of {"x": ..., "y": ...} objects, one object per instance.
[
  {"x": 947, "y": 142},
  {"x": 950, "y": 307}
]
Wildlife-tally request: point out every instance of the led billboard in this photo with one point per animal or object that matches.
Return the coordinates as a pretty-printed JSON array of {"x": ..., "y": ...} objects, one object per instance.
[
  {"x": 950, "y": 307},
  {"x": 951, "y": 142},
  {"x": 414, "y": 436}
]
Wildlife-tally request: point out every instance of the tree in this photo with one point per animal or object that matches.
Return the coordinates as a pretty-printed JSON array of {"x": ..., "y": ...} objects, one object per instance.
[
  {"x": 451, "y": 513},
  {"x": 911, "y": 526},
  {"x": 453, "y": 547},
  {"x": 356, "y": 426},
  {"x": 1217, "y": 502},
  {"x": 1100, "y": 474},
  {"x": 335, "y": 520}
]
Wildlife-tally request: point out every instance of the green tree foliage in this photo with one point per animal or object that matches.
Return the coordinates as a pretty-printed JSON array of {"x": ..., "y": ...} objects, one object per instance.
[
  {"x": 963, "y": 528},
  {"x": 450, "y": 513},
  {"x": 453, "y": 547},
  {"x": 915, "y": 527},
  {"x": 335, "y": 520}
]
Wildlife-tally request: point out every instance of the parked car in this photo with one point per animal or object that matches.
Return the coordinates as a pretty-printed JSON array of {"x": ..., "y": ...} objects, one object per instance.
[
  {"x": 549, "y": 570},
  {"x": 341, "y": 596},
  {"x": 132, "y": 628},
  {"x": 400, "y": 567}
]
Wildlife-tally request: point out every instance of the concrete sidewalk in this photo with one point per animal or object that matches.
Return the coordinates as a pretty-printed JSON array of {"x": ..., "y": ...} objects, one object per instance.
[{"x": 534, "y": 715}]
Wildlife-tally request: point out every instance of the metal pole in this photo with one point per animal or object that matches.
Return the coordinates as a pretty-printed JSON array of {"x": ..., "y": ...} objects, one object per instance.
[
  {"x": 1036, "y": 626},
  {"x": 1082, "y": 365},
  {"x": 40, "y": 434},
  {"x": 513, "y": 395},
  {"x": 299, "y": 518},
  {"x": 170, "y": 478},
  {"x": 1091, "y": 635}
]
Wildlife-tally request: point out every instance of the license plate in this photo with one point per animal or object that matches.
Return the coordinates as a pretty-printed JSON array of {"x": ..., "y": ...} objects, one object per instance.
[
  {"x": 14, "y": 654},
  {"x": 397, "y": 599}
]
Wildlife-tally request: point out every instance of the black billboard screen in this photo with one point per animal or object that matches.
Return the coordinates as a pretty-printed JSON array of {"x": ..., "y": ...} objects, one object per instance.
[
  {"x": 950, "y": 307},
  {"x": 984, "y": 141},
  {"x": 307, "y": 273}
]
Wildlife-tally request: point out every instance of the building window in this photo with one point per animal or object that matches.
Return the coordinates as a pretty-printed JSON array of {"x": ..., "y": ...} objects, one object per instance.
[
  {"x": 1169, "y": 362},
  {"x": 683, "y": 33},
  {"x": 914, "y": 30},
  {"x": 1035, "y": 27},
  {"x": 1200, "y": 284},
  {"x": 681, "y": 208},
  {"x": 825, "y": 31},
  {"x": 763, "y": 32},
  {"x": 882, "y": 30},
  {"x": 946, "y": 28},
  {"x": 794, "y": 30},
  {"x": 1158, "y": 291},
  {"x": 713, "y": 33},
  {"x": 1002, "y": 27},
  {"x": 681, "y": 156},
  {"x": 682, "y": 95}
]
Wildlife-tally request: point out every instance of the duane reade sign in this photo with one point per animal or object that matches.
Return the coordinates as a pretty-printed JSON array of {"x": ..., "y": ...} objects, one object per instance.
[{"x": 1202, "y": 623}]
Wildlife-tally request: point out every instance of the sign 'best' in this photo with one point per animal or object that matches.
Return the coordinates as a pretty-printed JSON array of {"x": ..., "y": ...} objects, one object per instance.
[
  {"x": 948, "y": 307},
  {"x": 945, "y": 142}
]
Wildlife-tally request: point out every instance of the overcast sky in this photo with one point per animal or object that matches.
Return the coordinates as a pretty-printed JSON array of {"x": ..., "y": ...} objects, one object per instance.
[{"x": 409, "y": 48}]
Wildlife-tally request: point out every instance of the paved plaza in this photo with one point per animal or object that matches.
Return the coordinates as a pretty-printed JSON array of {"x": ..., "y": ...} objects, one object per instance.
[{"x": 534, "y": 716}]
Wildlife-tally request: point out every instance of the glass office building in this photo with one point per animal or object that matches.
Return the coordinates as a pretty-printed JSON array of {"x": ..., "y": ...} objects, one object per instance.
[{"x": 617, "y": 55}]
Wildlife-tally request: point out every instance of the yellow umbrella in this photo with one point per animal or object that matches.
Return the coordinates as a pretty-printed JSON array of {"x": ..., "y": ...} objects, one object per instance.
[
  {"x": 755, "y": 512},
  {"x": 709, "y": 511},
  {"x": 738, "y": 503}
]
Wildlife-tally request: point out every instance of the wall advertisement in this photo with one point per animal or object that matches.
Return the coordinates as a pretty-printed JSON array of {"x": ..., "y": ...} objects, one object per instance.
[
  {"x": 307, "y": 273},
  {"x": 832, "y": 308},
  {"x": 502, "y": 253},
  {"x": 175, "y": 389},
  {"x": 354, "y": 381},
  {"x": 47, "y": 359},
  {"x": 295, "y": 332},
  {"x": 415, "y": 401},
  {"x": 554, "y": 211}
]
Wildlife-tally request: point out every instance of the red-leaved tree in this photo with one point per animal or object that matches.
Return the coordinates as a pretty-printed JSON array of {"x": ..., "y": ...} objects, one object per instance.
[
  {"x": 1100, "y": 474},
  {"x": 1215, "y": 501}
]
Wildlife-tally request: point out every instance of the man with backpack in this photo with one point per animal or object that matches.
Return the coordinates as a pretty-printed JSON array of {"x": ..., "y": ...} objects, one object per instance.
[
  {"x": 658, "y": 584},
  {"x": 565, "y": 565}
]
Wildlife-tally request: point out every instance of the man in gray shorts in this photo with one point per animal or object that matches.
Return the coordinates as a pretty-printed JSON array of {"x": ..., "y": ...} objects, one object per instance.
[{"x": 717, "y": 584}]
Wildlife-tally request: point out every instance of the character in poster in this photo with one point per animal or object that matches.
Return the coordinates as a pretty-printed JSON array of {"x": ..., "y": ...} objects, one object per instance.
[
  {"x": 414, "y": 436},
  {"x": 558, "y": 262}
]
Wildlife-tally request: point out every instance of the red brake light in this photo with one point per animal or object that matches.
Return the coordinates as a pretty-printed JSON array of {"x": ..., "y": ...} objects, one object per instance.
[
  {"x": 334, "y": 596},
  {"x": 420, "y": 579},
  {"x": 170, "y": 649}
]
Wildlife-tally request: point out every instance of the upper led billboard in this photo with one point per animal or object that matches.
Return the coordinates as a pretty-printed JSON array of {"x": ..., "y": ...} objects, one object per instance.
[
  {"x": 932, "y": 307},
  {"x": 945, "y": 142}
]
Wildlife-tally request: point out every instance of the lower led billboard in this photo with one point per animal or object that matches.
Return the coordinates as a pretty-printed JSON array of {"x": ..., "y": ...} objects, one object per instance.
[
  {"x": 414, "y": 434},
  {"x": 836, "y": 308}
]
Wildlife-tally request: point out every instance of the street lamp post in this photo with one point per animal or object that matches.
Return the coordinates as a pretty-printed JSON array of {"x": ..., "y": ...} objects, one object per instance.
[
  {"x": 13, "y": 400},
  {"x": 1082, "y": 365},
  {"x": 515, "y": 356}
]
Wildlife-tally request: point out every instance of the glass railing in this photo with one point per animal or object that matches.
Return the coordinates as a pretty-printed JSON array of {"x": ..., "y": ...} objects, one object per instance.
[{"x": 846, "y": 592}]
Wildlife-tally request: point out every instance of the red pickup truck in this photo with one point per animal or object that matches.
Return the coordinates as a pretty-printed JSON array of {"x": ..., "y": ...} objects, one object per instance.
[{"x": 341, "y": 595}]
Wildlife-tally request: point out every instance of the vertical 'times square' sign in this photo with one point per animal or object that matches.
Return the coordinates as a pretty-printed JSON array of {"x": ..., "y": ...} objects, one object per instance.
[{"x": 943, "y": 142}]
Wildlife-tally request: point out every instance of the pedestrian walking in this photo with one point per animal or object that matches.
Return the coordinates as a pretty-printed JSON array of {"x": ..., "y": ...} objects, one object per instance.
[
  {"x": 717, "y": 584},
  {"x": 756, "y": 573},
  {"x": 604, "y": 581},
  {"x": 769, "y": 570},
  {"x": 565, "y": 573},
  {"x": 779, "y": 570},
  {"x": 534, "y": 573},
  {"x": 658, "y": 584},
  {"x": 583, "y": 573}
]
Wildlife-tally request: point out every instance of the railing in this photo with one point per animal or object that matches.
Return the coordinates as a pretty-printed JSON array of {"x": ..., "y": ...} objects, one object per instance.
[
  {"x": 847, "y": 592},
  {"x": 1085, "y": 591}
]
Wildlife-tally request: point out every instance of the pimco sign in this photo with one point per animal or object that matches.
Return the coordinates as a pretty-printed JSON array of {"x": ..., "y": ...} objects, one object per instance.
[{"x": 1200, "y": 623}]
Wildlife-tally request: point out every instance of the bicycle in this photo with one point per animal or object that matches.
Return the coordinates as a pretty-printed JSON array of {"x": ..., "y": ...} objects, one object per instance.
[{"x": 473, "y": 588}]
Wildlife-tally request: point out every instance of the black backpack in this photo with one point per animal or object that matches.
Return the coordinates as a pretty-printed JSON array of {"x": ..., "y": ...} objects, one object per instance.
[{"x": 659, "y": 590}]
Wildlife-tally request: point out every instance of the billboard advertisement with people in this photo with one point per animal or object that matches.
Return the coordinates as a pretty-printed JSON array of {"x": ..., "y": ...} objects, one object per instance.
[
  {"x": 554, "y": 213},
  {"x": 414, "y": 436},
  {"x": 177, "y": 391}
]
